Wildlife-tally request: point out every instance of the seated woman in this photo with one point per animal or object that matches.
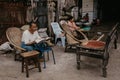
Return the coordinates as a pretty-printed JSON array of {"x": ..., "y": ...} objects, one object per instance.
[
  {"x": 75, "y": 30},
  {"x": 85, "y": 18},
  {"x": 72, "y": 25}
]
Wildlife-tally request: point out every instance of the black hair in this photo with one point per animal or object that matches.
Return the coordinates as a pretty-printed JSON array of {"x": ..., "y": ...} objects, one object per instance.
[
  {"x": 70, "y": 17},
  {"x": 32, "y": 22}
]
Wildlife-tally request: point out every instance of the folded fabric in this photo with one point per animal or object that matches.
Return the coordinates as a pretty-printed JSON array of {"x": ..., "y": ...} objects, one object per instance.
[
  {"x": 86, "y": 28},
  {"x": 94, "y": 44}
]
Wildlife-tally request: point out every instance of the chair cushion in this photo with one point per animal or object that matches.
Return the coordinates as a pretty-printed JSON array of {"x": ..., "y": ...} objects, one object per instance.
[
  {"x": 29, "y": 54},
  {"x": 25, "y": 27},
  {"x": 42, "y": 30},
  {"x": 94, "y": 44}
]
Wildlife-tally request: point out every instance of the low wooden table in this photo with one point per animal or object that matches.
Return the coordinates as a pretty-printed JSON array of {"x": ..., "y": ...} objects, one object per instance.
[{"x": 26, "y": 57}]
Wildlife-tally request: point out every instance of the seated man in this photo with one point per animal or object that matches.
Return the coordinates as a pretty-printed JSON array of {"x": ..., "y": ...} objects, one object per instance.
[{"x": 30, "y": 38}]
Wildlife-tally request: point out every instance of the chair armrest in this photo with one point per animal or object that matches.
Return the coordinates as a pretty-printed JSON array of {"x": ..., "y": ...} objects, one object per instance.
[{"x": 88, "y": 48}]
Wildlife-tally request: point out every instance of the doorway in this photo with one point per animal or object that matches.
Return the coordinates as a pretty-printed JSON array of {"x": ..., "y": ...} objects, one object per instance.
[{"x": 110, "y": 10}]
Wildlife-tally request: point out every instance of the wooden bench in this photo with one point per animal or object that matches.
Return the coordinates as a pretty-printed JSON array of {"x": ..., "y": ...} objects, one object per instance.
[{"x": 98, "y": 49}]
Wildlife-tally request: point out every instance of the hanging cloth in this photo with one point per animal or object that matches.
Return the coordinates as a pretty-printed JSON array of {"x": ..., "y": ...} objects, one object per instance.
[
  {"x": 29, "y": 14},
  {"x": 69, "y": 4}
]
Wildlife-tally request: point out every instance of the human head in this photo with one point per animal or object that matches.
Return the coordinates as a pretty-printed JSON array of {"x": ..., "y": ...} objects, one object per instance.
[
  {"x": 86, "y": 14},
  {"x": 33, "y": 26},
  {"x": 70, "y": 18}
]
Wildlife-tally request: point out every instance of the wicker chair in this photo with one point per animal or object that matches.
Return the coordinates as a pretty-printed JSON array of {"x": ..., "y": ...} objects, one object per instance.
[
  {"x": 14, "y": 37},
  {"x": 72, "y": 41}
]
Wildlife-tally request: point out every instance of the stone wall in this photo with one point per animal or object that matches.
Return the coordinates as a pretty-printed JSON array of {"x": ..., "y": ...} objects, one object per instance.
[{"x": 88, "y": 8}]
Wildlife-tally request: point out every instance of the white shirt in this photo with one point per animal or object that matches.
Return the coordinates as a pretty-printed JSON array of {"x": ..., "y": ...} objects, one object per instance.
[{"x": 28, "y": 37}]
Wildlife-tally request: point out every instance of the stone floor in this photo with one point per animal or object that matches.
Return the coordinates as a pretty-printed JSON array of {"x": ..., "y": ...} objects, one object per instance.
[{"x": 64, "y": 69}]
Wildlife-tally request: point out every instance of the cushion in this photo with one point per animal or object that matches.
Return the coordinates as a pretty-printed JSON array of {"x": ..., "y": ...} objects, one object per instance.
[
  {"x": 29, "y": 54},
  {"x": 42, "y": 30},
  {"x": 94, "y": 44}
]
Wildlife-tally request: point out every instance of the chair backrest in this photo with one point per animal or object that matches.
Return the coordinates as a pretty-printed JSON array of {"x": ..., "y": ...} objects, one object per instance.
[
  {"x": 14, "y": 36},
  {"x": 56, "y": 28},
  {"x": 112, "y": 38},
  {"x": 67, "y": 30},
  {"x": 25, "y": 27}
]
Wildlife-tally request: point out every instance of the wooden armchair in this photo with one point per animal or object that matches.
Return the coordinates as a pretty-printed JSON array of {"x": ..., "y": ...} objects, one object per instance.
[
  {"x": 73, "y": 41},
  {"x": 98, "y": 49}
]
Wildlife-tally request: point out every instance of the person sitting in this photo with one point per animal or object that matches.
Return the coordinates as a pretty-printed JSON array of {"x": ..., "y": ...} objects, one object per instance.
[
  {"x": 30, "y": 39},
  {"x": 96, "y": 22},
  {"x": 85, "y": 18},
  {"x": 72, "y": 25},
  {"x": 75, "y": 30}
]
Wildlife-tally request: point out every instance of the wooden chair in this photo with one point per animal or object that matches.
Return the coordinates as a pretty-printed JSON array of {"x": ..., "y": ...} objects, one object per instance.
[
  {"x": 14, "y": 36},
  {"x": 27, "y": 57},
  {"x": 98, "y": 49}
]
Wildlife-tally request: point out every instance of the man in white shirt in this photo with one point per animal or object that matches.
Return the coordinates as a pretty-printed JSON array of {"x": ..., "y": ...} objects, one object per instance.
[{"x": 29, "y": 36}]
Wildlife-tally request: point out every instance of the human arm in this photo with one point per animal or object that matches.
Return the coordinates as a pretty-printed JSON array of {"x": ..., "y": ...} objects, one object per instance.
[
  {"x": 72, "y": 25},
  {"x": 75, "y": 26}
]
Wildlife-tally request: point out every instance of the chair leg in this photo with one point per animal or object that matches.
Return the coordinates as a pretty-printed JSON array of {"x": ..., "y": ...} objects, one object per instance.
[
  {"x": 48, "y": 55},
  {"x": 22, "y": 64},
  {"x": 105, "y": 62},
  {"x": 66, "y": 48},
  {"x": 44, "y": 61},
  {"x": 38, "y": 64},
  {"x": 17, "y": 57},
  {"x": 63, "y": 41},
  {"x": 26, "y": 66},
  {"x": 115, "y": 44},
  {"x": 104, "y": 68},
  {"x": 53, "y": 57},
  {"x": 78, "y": 61}
]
